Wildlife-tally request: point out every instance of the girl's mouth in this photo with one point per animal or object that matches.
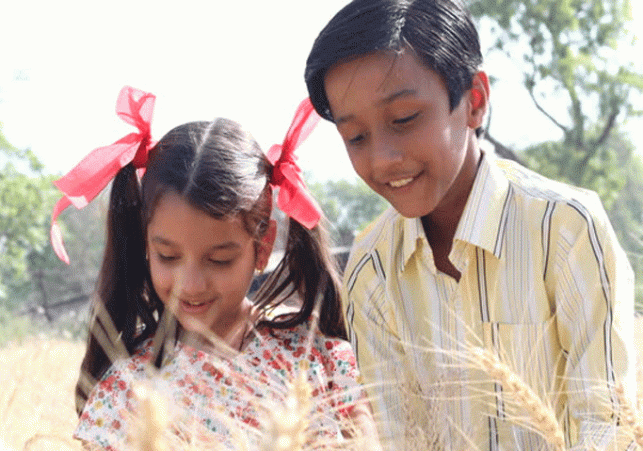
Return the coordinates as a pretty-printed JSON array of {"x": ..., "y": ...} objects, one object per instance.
[{"x": 195, "y": 306}]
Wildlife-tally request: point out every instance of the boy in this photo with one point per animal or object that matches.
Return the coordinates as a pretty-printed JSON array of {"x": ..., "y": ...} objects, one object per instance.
[{"x": 476, "y": 253}]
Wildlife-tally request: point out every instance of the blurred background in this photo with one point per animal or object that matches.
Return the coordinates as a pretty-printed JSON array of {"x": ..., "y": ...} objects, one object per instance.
[{"x": 567, "y": 98}]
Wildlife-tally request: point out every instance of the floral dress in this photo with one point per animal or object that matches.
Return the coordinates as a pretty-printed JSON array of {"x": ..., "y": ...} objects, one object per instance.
[{"x": 225, "y": 401}]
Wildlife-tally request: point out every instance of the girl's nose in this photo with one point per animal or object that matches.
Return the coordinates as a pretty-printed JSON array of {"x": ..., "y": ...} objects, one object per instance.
[{"x": 193, "y": 281}]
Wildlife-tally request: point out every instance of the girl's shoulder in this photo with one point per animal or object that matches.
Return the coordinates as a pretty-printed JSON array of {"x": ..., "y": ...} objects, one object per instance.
[
  {"x": 299, "y": 339},
  {"x": 137, "y": 362}
]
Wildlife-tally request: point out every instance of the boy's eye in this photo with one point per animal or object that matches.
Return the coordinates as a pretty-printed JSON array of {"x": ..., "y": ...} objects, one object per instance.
[
  {"x": 405, "y": 119},
  {"x": 356, "y": 139}
]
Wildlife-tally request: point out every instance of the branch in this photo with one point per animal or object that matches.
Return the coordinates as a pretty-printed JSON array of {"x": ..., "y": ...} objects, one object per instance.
[
  {"x": 76, "y": 300},
  {"x": 502, "y": 150},
  {"x": 611, "y": 120},
  {"x": 549, "y": 116}
]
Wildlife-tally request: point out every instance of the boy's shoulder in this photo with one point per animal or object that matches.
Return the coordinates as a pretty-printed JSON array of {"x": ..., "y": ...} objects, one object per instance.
[
  {"x": 533, "y": 191},
  {"x": 533, "y": 185}
]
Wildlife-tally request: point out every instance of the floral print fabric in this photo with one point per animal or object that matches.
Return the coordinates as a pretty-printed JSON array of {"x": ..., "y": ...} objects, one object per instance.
[{"x": 222, "y": 399}]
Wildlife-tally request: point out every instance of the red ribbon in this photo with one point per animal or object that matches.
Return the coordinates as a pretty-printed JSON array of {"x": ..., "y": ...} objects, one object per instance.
[
  {"x": 83, "y": 183},
  {"x": 294, "y": 198}
]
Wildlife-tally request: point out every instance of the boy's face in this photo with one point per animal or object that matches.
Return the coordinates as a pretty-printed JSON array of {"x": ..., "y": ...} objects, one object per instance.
[{"x": 402, "y": 139}]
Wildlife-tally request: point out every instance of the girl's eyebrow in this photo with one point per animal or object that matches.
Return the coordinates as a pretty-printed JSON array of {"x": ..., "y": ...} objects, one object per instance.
[
  {"x": 223, "y": 246},
  {"x": 406, "y": 92}
]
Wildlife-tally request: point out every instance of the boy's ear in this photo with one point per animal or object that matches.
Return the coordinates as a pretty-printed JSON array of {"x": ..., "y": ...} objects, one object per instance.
[
  {"x": 478, "y": 99},
  {"x": 264, "y": 247}
]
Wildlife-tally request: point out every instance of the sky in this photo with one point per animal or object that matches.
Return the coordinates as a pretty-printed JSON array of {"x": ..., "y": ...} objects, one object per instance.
[{"x": 64, "y": 62}]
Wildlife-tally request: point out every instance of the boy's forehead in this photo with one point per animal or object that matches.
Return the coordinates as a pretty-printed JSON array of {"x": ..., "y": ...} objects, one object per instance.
[{"x": 381, "y": 76}]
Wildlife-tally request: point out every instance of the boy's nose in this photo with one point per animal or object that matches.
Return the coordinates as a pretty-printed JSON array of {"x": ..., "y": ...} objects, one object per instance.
[{"x": 384, "y": 153}]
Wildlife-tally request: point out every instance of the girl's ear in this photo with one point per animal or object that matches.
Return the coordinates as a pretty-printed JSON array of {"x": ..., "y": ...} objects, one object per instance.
[
  {"x": 264, "y": 247},
  {"x": 478, "y": 99}
]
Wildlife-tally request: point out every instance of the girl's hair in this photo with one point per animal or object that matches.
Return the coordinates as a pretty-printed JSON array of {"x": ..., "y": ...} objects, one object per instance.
[
  {"x": 219, "y": 168},
  {"x": 440, "y": 32}
]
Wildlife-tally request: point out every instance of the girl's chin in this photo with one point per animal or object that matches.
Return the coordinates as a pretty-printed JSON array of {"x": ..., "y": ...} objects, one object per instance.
[{"x": 197, "y": 325}]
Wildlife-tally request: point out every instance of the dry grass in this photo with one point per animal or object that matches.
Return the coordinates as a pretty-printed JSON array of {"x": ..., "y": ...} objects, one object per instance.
[{"x": 37, "y": 382}]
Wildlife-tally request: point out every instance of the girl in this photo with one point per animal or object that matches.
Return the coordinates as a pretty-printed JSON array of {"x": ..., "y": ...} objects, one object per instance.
[{"x": 184, "y": 243}]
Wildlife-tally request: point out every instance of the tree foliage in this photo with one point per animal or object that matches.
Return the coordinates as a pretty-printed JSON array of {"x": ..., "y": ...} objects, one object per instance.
[
  {"x": 569, "y": 52},
  {"x": 31, "y": 276},
  {"x": 26, "y": 198},
  {"x": 348, "y": 205}
]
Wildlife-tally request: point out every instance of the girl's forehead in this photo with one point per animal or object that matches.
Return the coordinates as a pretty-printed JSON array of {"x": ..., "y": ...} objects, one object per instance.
[{"x": 175, "y": 217}]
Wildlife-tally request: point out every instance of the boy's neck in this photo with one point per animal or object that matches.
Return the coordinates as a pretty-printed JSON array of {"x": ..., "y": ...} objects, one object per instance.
[
  {"x": 441, "y": 224},
  {"x": 440, "y": 238}
]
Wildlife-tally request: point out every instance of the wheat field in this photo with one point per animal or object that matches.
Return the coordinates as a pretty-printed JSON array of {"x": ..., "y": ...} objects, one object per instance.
[{"x": 37, "y": 379}]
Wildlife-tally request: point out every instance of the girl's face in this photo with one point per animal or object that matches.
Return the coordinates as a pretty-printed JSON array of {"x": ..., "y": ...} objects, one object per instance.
[{"x": 202, "y": 267}]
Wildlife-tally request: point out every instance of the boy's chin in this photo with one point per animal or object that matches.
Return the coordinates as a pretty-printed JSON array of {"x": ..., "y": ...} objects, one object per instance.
[{"x": 410, "y": 211}]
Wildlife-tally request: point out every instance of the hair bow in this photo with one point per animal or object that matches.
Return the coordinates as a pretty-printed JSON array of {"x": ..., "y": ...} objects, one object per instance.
[
  {"x": 294, "y": 198},
  {"x": 88, "y": 178}
]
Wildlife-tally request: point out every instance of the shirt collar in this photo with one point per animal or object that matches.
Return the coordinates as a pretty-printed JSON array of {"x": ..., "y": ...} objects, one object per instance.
[
  {"x": 480, "y": 224},
  {"x": 481, "y": 221}
]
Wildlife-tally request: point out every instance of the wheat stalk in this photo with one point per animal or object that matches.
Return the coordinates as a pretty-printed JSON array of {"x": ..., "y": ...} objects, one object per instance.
[
  {"x": 543, "y": 418},
  {"x": 630, "y": 416},
  {"x": 286, "y": 424},
  {"x": 153, "y": 419}
]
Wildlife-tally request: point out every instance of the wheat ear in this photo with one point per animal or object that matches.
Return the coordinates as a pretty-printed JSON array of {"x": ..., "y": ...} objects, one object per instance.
[
  {"x": 629, "y": 415},
  {"x": 153, "y": 419},
  {"x": 287, "y": 424},
  {"x": 543, "y": 417}
]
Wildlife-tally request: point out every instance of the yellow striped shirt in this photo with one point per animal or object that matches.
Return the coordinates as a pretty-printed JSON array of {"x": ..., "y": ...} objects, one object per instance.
[{"x": 545, "y": 287}]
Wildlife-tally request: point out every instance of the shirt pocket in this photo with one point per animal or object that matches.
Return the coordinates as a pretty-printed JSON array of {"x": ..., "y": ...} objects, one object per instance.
[{"x": 527, "y": 354}]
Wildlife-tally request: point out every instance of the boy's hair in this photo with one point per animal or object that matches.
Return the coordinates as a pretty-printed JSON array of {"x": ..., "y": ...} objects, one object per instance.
[
  {"x": 441, "y": 33},
  {"x": 216, "y": 167}
]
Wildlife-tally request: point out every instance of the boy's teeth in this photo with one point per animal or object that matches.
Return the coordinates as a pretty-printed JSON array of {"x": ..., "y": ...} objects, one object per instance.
[{"x": 401, "y": 182}]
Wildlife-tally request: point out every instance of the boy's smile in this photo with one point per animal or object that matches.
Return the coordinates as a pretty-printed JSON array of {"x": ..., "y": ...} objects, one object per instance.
[{"x": 394, "y": 117}]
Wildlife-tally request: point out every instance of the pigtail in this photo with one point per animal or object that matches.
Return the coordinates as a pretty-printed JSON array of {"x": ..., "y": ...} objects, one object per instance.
[
  {"x": 122, "y": 311},
  {"x": 307, "y": 269}
]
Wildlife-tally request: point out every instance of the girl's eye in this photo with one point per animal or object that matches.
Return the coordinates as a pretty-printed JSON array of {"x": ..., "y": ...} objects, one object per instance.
[
  {"x": 167, "y": 258},
  {"x": 222, "y": 263},
  {"x": 406, "y": 119}
]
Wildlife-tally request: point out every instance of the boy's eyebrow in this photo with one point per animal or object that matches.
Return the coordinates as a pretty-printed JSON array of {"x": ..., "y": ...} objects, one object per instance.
[
  {"x": 406, "y": 92},
  {"x": 216, "y": 247}
]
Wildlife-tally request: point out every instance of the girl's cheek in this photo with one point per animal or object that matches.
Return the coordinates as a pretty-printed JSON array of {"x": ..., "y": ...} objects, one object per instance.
[{"x": 162, "y": 279}]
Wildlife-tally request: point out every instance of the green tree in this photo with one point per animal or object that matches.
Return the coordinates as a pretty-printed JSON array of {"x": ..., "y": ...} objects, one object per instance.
[
  {"x": 569, "y": 51},
  {"x": 348, "y": 205},
  {"x": 26, "y": 199},
  {"x": 31, "y": 276},
  {"x": 54, "y": 288}
]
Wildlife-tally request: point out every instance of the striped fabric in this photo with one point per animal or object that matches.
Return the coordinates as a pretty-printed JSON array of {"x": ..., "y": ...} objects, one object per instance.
[{"x": 544, "y": 286}]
